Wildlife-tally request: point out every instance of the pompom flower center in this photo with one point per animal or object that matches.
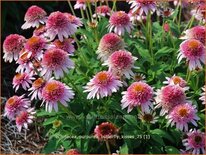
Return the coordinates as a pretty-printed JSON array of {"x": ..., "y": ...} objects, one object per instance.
[
  {"x": 121, "y": 59},
  {"x": 51, "y": 87},
  {"x": 119, "y": 18},
  {"x": 193, "y": 45},
  {"x": 11, "y": 101},
  {"x": 138, "y": 88},
  {"x": 23, "y": 116}
]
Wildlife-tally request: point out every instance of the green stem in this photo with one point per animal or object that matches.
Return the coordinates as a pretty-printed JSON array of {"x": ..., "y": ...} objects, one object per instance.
[
  {"x": 114, "y": 5},
  {"x": 188, "y": 75},
  {"x": 87, "y": 13},
  {"x": 189, "y": 24},
  {"x": 179, "y": 19},
  {"x": 82, "y": 13},
  {"x": 71, "y": 7},
  {"x": 90, "y": 10},
  {"x": 108, "y": 147}
]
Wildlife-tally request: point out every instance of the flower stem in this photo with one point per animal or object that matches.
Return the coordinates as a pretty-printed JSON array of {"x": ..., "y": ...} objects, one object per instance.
[
  {"x": 108, "y": 147},
  {"x": 114, "y": 5},
  {"x": 82, "y": 13},
  {"x": 70, "y": 5}
]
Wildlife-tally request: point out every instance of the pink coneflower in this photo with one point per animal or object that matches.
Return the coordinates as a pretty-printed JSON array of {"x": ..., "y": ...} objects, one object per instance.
[
  {"x": 12, "y": 45},
  {"x": 59, "y": 25},
  {"x": 65, "y": 45},
  {"x": 72, "y": 152},
  {"x": 24, "y": 61},
  {"x": 35, "y": 46},
  {"x": 121, "y": 63},
  {"x": 137, "y": 94},
  {"x": 102, "y": 84},
  {"x": 120, "y": 22},
  {"x": 23, "y": 80},
  {"x": 34, "y": 17},
  {"x": 105, "y": 131},
  {"x": 74, "y": 20},
  {"x": 169, "y": 96},
  {"x": 109, "y": 43},
  {"x": 148, "y": 117},
  {"x": 14, "y": 105},
  {"x": 199, "y": 12},
  {"x": 36, "y": 89},
  {"x": 202, "y": 98},
  {"x": 103, "y": 10},
  {"x": 56, "y": 61},
  {"x": 80, "y": 4},
  {"x": 54, "y": 92},
  {"x": 194, "y": 52},
  {"x": 176, "y": 80},
  {"x": 24, "y": 118},
  {"x": 181, "y": 115},
  {"x": 165, "y": 12},
  {"x": 143, "y": 5},
  {"x": 40, "y": 31},
  {"x": 197, "y": 32},
  {"x": 195, "y": 142},
  {"x": 135, "y": 16},
  {"x": 139, "y": 77}
]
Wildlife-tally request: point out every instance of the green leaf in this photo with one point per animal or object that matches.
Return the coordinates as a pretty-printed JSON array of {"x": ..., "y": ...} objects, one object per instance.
[
  {"x": 49, "y": 121},
  {"x": 171, "y": 150},
  {"x": 157, "y": 139},
  {"x": 162, "y": 133},
  {"x": 144, "y": 53},
  {"x": 130, "y": 120},
  {"x": 124, "y": 149},
  {"x": 163, "y": 51},
  {"x": 50, "y": 146}
]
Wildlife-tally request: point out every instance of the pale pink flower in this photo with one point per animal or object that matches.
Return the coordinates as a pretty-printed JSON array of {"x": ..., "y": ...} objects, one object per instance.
[
  {"x": 168, "y": 97},
  {"x": 176, "y": 80},
  {"x": 109, "y": 43},
  {"x": 59, "y": 25},
  {"x": 136, "y": 16},
  {"x": 65, "y": 45},
  {"x": 56, "y": 61},
  {"x": 197, "y": 32},
  {"x": 80, "y": 4},
  {"x": 148, "y": 117},
  {"x": 36, "y": 89},
  {"x": 181, "y": 115},
  {"x": 40, "y": 31},
  {"x": 22, "y": 80},
  {"x": 121, "y": 63},
  {"x": 144, "y": 6},
  {"x": 54, "y": 92},
  {"x": 203, "y": 95},
  {"x": 14, "y": 105},
  {"x": 12, "y": 45},
  {"x": 105, "y": 131},
  {"x": 103, "y": 10},
  {"x": 34, "y": 17},
  {"x": 137, "y": 94},
  {"x": 195, "y": 142},
  {"x": 194, "y": 52},
  {"x": 102, "y": 84},
  {"x": 120, "y": 22},
  {"x": 35, "y": 46},
  {"x": 24, "y": 118},
  {"x": 74, "y": 20},
  {"x": 182, "y": 3}
]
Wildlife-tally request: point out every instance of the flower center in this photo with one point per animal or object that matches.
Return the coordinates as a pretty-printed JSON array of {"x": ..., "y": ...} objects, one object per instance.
[
  {"x": 193, "y": 45},
  {"x": 147, "y": 117},
  {"x": 38, "y": 83},
  {"x": 11, "y": 101},
  {"x": 19, "y": 76},
  {"x": 183, "y": 112},
  {"x": 24, "y": 56},
  {"x": 138, "y": 88},
  {"x": 198, "y": 139},
  {"x": 102, "y": 77},
  {"x": 51, "y": 87},
  {"x": 176, "y": 80},
  {"x": 33, "y": 40}
]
